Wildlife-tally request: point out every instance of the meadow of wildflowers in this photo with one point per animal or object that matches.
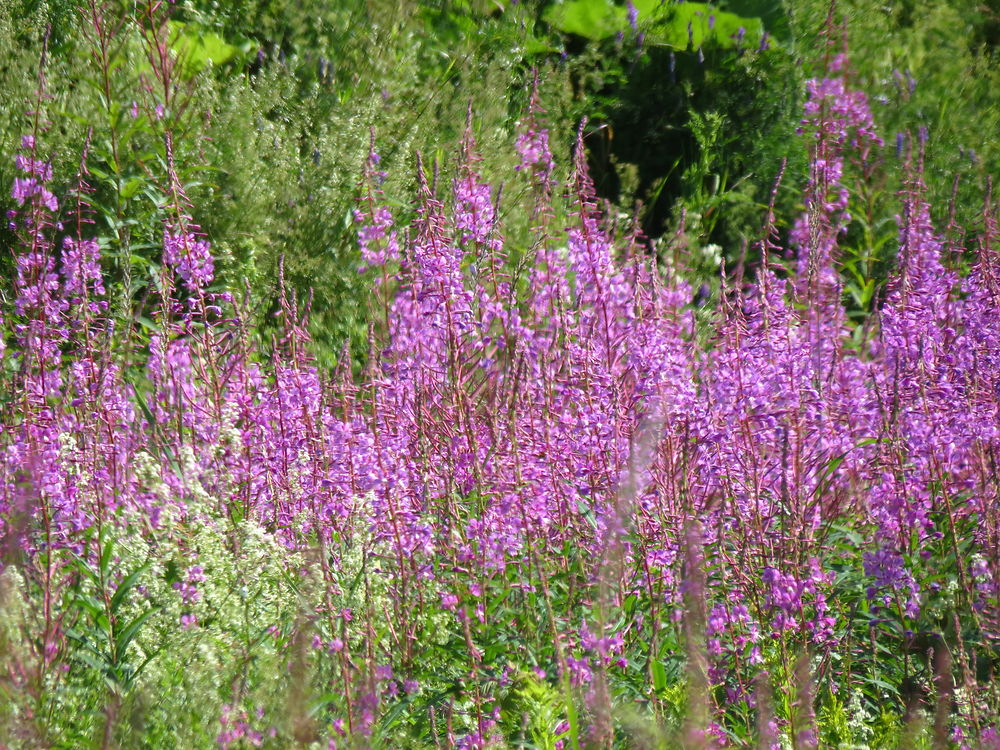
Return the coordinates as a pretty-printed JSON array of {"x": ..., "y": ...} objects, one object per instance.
[{"x": 562, "y": 504}]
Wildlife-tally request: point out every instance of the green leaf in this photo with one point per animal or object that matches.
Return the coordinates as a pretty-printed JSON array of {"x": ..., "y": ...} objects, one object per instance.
[
  {"x": 132, "y": 630},
  {"x": 106, "y": 556},
  {"x": 318, "y": 704},
  {"x": 393, "y": 715},
  {"x": 197, "y": 48},
  {"x": 771, "y": 14},
  {"x": 591, "y": 19},
  {"x": 659, "y": 676},
  {"x": 125, "y": 586},
  {"x": 132, "y": 187},
  {"x": 149, "y": 325},
  {"x": 92, "y": 662},
  {"x": 87, "y": 569},
  {"x": 534, "y": 46},
  {"x": 81, "y": 638},
  {"x": 587, "y": 513},
  {"x": 688, "y": 24}
]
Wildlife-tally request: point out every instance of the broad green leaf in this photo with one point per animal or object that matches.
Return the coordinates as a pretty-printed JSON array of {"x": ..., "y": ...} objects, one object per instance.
[
  {"x": 659, "y": 675},
  {"x": 591, "y": 19},
  {"x": 132, "y": 187},
  {"x": 132, "y": 630},
  {"x": 197, "y": 48},
  {"x": 125, "y": 586}
]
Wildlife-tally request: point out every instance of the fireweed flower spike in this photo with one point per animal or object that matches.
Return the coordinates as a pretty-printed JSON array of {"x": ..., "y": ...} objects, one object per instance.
[
  {"x": 533, "y": 142},
  {"x": 189, "y": 256},
  {"x": 377, "y": 237}
]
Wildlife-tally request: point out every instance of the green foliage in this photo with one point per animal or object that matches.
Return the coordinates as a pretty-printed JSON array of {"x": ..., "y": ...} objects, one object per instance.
[
  {"x": 198, "y": 48},
  {"x": 592, "y": 19},
  {"x": 675, "y": 25},
  {"x": 689, "y": 114},
  {"x": 288, "y": 140},
  {"x": 281, "y": 96},
  {"x": 102, "y": 635},
  {"x": 928, "y": 64},
  {"x": 268, "y": 146}
]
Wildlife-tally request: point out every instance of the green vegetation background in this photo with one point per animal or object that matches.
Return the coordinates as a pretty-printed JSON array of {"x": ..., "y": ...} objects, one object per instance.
[{"x": 280, "y": 97}]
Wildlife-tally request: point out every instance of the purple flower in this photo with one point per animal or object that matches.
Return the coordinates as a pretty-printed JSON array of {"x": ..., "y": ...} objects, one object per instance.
[
  {"x": 81, "y": 267},
  {"x": 190, "y": 257},
  {"x": 633, "y": 15}
]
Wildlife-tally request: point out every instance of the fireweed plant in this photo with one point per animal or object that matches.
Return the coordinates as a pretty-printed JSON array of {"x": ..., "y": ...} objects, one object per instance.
[{"x": 552, "y": 511}]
